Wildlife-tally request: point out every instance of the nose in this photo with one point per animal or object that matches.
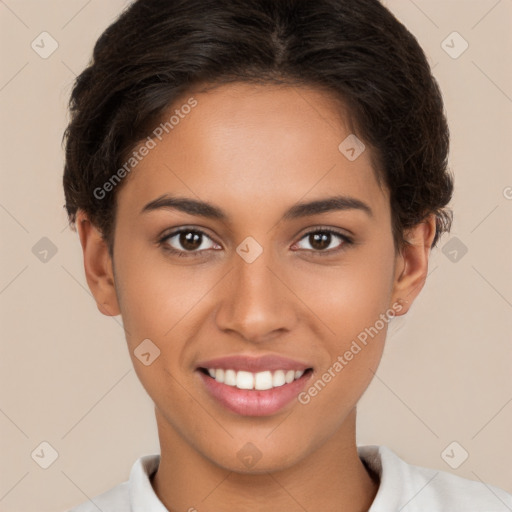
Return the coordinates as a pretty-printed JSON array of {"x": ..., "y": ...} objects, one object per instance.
[{"x": 257, "y": 302}]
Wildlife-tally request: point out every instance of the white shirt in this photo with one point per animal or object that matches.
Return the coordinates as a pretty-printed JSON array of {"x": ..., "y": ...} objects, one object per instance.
[{"x": 403, "y": 487}]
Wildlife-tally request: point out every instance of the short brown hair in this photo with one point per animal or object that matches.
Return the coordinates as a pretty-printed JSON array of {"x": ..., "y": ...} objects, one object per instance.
[{"x": 357, "y": 49}]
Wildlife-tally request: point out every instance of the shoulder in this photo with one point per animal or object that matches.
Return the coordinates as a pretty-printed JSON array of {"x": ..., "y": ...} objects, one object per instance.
[
  {"x": 133, "y": 494},
  {"x": 416, "y": 488},
  {"x": 116, "y": 499}
]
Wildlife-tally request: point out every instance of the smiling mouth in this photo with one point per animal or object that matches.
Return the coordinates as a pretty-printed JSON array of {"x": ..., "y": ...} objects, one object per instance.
[{"x": 257, "y": 381}]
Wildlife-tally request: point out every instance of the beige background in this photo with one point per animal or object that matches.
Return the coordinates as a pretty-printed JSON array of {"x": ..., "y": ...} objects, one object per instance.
[{"x": 66, "y": 377}]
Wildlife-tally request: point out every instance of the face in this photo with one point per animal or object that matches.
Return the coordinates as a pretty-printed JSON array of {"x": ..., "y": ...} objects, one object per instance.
[{"x": 257, "y": 263}]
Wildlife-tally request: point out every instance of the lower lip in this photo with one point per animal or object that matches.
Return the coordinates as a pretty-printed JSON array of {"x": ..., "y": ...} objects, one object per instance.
[{"x": 253, "y": 402}]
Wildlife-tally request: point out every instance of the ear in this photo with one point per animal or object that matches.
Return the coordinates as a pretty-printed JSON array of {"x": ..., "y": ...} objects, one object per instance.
[
  {"x": 98, "y": 266},
  {"x": 411, "y": 267}
]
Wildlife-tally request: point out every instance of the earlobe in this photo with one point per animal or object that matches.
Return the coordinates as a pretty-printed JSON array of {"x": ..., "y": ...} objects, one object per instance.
[
  {"x": 412, "y": 263},
  {"x": 98, "y": 266}
]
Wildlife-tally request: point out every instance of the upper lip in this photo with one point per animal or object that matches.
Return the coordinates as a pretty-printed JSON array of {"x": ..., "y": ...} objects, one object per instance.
[{"x": 254, "y": 364}]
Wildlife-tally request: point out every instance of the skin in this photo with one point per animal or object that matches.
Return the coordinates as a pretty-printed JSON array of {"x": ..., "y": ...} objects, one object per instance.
[{"x": 247, "y": 149}]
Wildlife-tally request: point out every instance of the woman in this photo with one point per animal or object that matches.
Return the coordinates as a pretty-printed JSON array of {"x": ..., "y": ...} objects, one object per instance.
[{"x": 257, "y": 186}]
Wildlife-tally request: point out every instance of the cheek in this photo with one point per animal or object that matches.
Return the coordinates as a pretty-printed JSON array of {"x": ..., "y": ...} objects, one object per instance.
[
  {"x": 351, "y": 296},
  {"x": 355, "y": 308},
  {"x": 155, "y": 296},
  {"x": 352, "y": 301}
]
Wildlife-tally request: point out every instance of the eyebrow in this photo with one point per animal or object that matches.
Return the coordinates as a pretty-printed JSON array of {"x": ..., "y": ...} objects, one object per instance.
[{"x": 299, "y": 210}]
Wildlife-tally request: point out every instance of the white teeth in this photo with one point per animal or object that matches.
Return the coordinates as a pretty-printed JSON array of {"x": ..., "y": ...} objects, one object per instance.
[
  {"x": 278, "y": 379},
  {"x": 230, "y": 377},
  {"x": 259, "y": 381},
  {"x": 290, "y": 376},
  {"x": 244, "y": 380},
  {"x": 263, "y": 380}
]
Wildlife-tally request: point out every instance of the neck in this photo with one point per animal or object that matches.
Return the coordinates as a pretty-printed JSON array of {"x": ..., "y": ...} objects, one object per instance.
[{"x": 331, "y": 475}]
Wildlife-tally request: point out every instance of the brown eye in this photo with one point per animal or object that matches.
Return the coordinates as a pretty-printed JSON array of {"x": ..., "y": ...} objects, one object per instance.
[
  {"x": 325, "y": 241},
  {"x": 190, "y": 241},
  {"x": 186, "y": 241},
  {"x": 320, "y": 241}
]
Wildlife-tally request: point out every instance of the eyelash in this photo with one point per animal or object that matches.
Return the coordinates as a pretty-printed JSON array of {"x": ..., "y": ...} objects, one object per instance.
[{"x": 347, "y": 241}]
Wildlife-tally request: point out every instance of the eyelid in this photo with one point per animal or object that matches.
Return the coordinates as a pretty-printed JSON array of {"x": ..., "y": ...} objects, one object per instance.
[{"x": 336, "y": 231}]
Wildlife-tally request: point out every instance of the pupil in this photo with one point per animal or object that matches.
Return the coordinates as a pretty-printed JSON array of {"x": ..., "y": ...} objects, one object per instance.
[{"x": 320, "y": 240}]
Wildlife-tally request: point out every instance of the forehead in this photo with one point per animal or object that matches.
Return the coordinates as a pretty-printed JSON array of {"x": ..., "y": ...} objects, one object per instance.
[{"x": 245, "y": 146}]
